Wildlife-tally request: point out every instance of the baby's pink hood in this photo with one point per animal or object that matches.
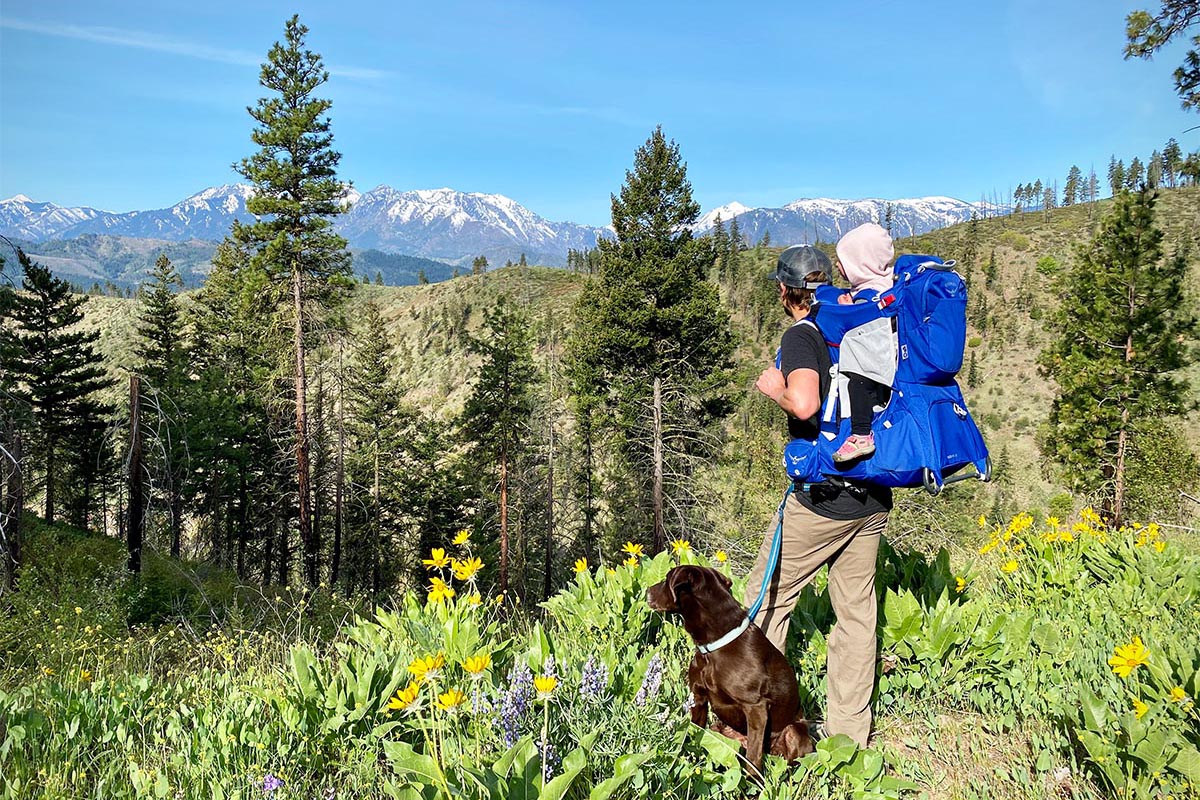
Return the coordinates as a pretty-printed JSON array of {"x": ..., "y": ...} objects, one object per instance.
[{"x": 866, "y": 254}]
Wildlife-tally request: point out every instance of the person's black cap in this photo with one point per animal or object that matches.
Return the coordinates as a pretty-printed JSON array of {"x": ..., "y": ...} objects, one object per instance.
[{"x": 797, "y": 261}]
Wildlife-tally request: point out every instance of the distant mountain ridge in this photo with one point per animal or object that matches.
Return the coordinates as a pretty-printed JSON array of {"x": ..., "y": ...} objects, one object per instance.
[{"x": 456, "y": 227}]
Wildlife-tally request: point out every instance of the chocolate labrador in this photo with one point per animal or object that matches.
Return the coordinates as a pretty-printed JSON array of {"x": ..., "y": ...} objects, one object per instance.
[{"x": 736, "y": 670}]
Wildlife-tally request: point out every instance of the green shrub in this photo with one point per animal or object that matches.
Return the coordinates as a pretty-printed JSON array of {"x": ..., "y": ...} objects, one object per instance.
[{"x": 1017, "y": 241}]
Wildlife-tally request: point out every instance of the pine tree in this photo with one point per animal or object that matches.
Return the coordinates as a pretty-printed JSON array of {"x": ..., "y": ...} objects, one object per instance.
[
  {"x": 991, "y": 272},
  {"x": 382, "y": 428},
  {"x": 297, "y": 192},
  {"x": 652, "y": 336},
  {"x": 972, "y": 372},
  {"x": 1172, "y": 158},
  {"x": 1093, "y": 187},
  {"x": 162, "y": 362},
  {"x": 1134, "y": 176},
  {"x": 479, "y": 265},
  {"x": 1154, "y": 170},
  {"x": 1145, "y": 35},
  {"x": 57, "y": 374},
  {"x": 1073, "y": 186},
  {"x": 495, "y": 420},
  {"x": 1116, "y": 176},
  {"x": 1122, "y": 327}
]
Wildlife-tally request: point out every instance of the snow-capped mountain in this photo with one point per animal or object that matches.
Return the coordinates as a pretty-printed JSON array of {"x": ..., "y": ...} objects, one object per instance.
[
  {"x": 456, "y": 227},
  {"x": 435, "y": 223},
  {"x": 824, "y": 219}
]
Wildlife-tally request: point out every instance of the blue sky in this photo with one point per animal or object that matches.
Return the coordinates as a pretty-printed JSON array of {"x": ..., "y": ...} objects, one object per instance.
[{"x": 134, "y": 104}]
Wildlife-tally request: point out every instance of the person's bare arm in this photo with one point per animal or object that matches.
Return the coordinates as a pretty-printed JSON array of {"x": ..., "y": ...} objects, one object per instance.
[{"x": 799, "y": 396}]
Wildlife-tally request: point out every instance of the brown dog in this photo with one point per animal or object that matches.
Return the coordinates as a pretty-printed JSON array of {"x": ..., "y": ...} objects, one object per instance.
[{"x": 746, "y": 680}]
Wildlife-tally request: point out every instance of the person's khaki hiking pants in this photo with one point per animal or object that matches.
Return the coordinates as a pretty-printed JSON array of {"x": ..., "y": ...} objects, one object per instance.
[{"x": 850, "y": 548}]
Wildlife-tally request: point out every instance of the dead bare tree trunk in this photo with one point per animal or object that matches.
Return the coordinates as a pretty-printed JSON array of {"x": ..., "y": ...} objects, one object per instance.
[
  {"x": 547, "y": 567},
  {"x": 303, "y": 488},
  {"x": 660, "y": 539},
  {"x": 137, "y": 505},
  {"x": 14, "y": 506},
  {"x": 503, "y": 521},
  {"x": 339, "y": 489}
]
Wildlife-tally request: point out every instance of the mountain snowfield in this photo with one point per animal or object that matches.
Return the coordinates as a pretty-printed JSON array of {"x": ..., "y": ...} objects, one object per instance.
[{"x": 455, "y": 227}]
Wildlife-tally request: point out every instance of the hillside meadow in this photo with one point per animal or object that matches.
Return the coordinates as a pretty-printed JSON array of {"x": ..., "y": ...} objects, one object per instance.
[{"x": 1027, "y": 650}]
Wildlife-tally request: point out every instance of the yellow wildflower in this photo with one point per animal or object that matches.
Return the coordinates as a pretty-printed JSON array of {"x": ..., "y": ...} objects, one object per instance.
[
  {"x": 85, "y": 675},
  {"x": 1160, "y": 545},
  {"x": 450, "y": 700},
  {"x": 722, "y": 556},
  {"x": 437, "y": 559},
  {"x": 78, "y": 610},
  {"x": 581, "y": 565},
  {"x": 474, "y": 599},
  {"x": 1178, "y": 695},
  {"x": 1126, "y": 658},
  {"x": 427, "y": 668},
  {"x": 631, "y": 562},
  {"x": 679, "y": 546},
  {"x": 635, "y": 550},
  {"x": 1139, "y": 708},
  {"x": 1010, "y": 566},
  {"x": 462, "y": 537},
  {"x": 440, "y": 591},
  {"x": 989, "y": 547},
  {"x": 1053, "y": 522},
  {"x": 610, "y": 571},
  {"x": 47, "y": 671},
  {"x": 960, "y": 585},
  {"x": 982, "y": 521},
  {"x": 545, "y": 685},
  {"x": 477, "y": 664},
  {"x": 465, "y": 570},
  {"x": 405, "y": 697}
]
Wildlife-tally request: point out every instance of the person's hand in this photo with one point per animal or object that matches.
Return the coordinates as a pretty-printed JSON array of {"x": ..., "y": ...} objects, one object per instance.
[
  {"x": 771, "y": 383},
  {"x": 844, "y": 299}
]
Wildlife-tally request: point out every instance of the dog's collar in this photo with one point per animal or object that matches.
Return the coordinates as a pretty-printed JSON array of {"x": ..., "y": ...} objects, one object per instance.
[{"x": 726, "y": 639}]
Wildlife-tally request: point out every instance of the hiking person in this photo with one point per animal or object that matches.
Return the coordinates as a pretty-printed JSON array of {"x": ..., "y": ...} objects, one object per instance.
[
  {"x": 864, "y": 257},
  {"x": 834, "y": 521}
]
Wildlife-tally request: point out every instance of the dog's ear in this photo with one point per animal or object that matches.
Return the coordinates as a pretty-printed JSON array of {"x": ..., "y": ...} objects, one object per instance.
[
  {"x": 681, "y": 579},
  {"x": 725, "y": 580}
]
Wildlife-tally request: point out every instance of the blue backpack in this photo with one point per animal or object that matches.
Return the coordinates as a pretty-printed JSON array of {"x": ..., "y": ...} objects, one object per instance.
[{"x": 910, "y": 337}]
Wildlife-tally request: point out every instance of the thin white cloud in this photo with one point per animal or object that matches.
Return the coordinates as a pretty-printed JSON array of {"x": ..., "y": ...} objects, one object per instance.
[{"x": 142, "y": 40}]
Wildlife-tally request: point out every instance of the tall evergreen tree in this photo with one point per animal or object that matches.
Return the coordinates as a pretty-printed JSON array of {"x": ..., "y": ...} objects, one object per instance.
[
  {"x": 1154, "y": 170},
  {"x": 1145, "y": 35},
  {"x": 58, "y": 374},
  {"x": 1116, "y": 175},
  {"x": 1172, "y": 158},
  {"x": 162, "y": 363},
  {"x": 1073, "y": 186},
  {"x": 297, "y": 193},
  {"x": 1134, "y": 176},
  {"x": 653, "y": 336},
  {"x": 1123, "y": 325},
  {"x": 495, "y": 420}
]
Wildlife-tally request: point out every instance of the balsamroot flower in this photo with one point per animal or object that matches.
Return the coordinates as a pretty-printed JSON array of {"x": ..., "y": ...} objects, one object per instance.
[
  {"x": 722, "y": 556},
  {"x": 1178, "y": 695},
  {"x": 631, "y": 562},
  {"x": 437, "y": 559},
  {"x": 451, "y": 700},
  {"x": 545, "y": 685},
  {"x": 439, "y": 591},
  {"x": 475, "y": 665},
  {"x": 405, "y": 697},
  {"x": 960, "y": 585},
  {"x": 1139, "y": 708},
  {"x": 427, "y": 668},
  {"x": 1010, "y": 566},
  {"x": 634, "y": 550},
  {"x": 1126, "y": 658},
  {"x": 461, "y": 538},
  {"x": 581, "y": 565},
  {"x": 465, "y": 570},
  {"x": 680, "y": 546}
]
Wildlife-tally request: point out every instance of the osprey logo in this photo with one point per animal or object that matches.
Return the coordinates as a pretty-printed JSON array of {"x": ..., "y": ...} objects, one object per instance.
[{"x": 797, "y": 459}]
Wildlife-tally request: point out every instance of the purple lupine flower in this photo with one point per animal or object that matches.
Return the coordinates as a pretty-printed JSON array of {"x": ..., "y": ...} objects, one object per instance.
[
  {"x": 548, "y": 667},
  {"x": 271, "y": 783},
  {"x": 652, "y": 682},
  {"x": 549, "y": 761},
  {"x": 593, "y": 682},
  {"x": 514, "y": 704}
]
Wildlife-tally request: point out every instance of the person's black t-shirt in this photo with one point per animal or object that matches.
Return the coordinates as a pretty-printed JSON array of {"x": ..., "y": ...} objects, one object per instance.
[{"x": 803, "y": 347}]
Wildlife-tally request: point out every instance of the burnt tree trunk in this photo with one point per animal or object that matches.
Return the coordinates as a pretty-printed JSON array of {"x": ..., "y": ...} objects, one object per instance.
[
  {"x": 660, "y": 539},
  {"x": 303, "y": 487}
]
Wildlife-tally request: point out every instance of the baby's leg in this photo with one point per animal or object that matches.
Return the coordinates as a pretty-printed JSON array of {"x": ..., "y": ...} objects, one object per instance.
[{"x": 863, "y": 397}]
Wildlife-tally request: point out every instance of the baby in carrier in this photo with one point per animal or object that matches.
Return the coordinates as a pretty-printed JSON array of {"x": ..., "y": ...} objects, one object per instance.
[{"x": 864, "y": 257}]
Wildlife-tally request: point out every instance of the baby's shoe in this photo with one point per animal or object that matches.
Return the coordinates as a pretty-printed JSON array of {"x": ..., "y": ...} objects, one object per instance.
[{"x": 855, "y": 447}]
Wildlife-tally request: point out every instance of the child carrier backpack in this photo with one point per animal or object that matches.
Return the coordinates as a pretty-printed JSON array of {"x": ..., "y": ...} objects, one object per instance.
[{"x": 910, "y": 337}]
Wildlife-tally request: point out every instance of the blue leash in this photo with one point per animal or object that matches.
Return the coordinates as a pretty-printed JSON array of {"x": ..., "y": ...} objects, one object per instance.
[{"x": 773, "y": 558}]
